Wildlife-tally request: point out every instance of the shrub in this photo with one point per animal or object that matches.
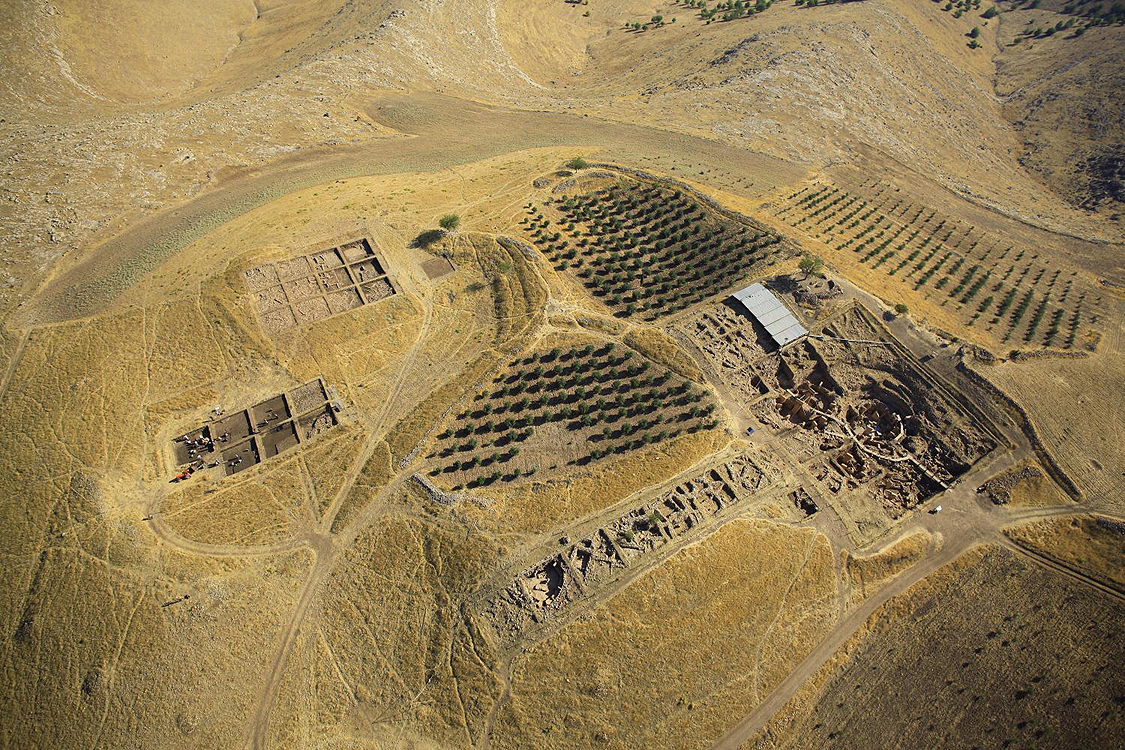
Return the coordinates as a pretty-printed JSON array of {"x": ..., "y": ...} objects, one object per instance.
[
  {"x": 901, "y": 309},
  {"x": 449, "y": 222}
]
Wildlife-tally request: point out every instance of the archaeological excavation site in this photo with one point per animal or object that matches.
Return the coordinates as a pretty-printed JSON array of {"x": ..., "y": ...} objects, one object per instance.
[{"x": 562, "y": 375}]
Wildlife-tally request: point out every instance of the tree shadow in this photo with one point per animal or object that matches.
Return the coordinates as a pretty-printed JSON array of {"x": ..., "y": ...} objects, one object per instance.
[{"x": 426, "y": 238}]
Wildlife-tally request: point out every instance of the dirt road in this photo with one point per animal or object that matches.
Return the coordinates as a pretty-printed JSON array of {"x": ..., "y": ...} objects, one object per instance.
[
  {"x": 965, "y": 522},
  {"x": 443, "y": 132}
]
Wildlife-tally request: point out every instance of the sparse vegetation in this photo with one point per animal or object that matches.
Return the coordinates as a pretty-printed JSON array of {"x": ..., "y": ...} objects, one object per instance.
[
  {"x": 605, "y": 398},
  {"x": 940, "y": 259},
  {"x": 647, "y": 250}
]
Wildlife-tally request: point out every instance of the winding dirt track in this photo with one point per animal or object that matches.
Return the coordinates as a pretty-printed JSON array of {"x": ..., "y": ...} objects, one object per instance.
[
  {"x": 328, "y": 551},
  {"x": 442, "y": 132}
]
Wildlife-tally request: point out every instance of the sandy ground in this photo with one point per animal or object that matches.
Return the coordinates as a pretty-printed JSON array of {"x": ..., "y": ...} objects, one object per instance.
[{"x": 324, "y": 597}]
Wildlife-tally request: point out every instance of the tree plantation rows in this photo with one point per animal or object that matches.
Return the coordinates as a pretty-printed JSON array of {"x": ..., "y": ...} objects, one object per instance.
[
  {"x": 605, "y": 399},
  {"x": 1017, "y": 296},
  {"x": 646, "y": 250}
]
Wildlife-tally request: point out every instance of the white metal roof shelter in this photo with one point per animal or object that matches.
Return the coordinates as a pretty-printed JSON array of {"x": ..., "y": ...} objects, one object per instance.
[{"x": 768, "y": 310}]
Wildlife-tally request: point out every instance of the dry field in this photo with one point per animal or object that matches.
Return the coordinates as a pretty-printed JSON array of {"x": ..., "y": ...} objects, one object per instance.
[
  {"x": 568, "y": 497},
  {"x": 1093, "y": 544},
  {"x": 1076, "y": 407},
  {"x": 990, "y": 651},
  {"x": 726, "y": 617}
]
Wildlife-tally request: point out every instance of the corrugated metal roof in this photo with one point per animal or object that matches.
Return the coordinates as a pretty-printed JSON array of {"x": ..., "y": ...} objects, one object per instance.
[{"x": 767, "y": 309}]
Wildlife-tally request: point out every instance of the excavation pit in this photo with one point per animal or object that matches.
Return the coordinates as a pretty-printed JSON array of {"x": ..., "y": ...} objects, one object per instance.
[
  {"x": 335, "y": 279},
  {"x": 549, "y": 587},
  {"x": 268, "y": 413},
  {"x": 325, "y": 260},
  {"x": 263, "y": 431},
  {"x": 344, "y": 300},
  {"x": 240, "y": 457},
  {"x": 377, "y": 290},
  {"x": 192, "y": 446},
  {"x": 308, "y": 396},
  {"x": 850, "y": 402},
  {"x": 300, "y": 291},
  {"x": 316, "y": 423},
  {"x": 232, "y": 429},
  {"x": 367, "y": 270},
  {"x": 279, "y": 439},
  {"x": 356, "y": 251}
]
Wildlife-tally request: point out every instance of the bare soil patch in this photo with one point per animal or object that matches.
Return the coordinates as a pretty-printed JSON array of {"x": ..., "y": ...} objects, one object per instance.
[{"x": 318, "y": 285}]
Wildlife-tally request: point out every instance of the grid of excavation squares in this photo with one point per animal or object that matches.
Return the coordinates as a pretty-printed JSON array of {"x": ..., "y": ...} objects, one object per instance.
[
  {"x": 302, "y": 290},
  {"x": 245, "y": 438}
]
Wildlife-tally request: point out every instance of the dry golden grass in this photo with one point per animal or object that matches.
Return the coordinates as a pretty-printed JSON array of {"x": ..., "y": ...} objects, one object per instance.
[
  {"x": 662, "y": 349},
  {"x": 373, "y": 477},
  {"x": 178, "y": 334},
  {"x": 869, "y": 573},
  {"x": 326, "y": 463},
  {"x": 256, "y": 509},
  {"x": 779, "y": 731},
  {"x": 112, "y": 663},
  {"x": 387, "y": 654},
  {"x": 1037, "y": 492},
  {"x": 361, "y": 350},
  {"x": 408, "y": 433},
  {"x": 542, "y": 506},
  {"x": 1075, "y": 406},
  {"x": 112, "y": 45},
  {"x": 1092, "y": 544},
  {"x": 669, "y": 660}
]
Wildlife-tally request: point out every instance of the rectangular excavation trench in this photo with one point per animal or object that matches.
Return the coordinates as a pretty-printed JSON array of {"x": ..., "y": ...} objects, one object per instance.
[
  {"x": 235, "y": 442},
  {"x": 550, "y": 587}
]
